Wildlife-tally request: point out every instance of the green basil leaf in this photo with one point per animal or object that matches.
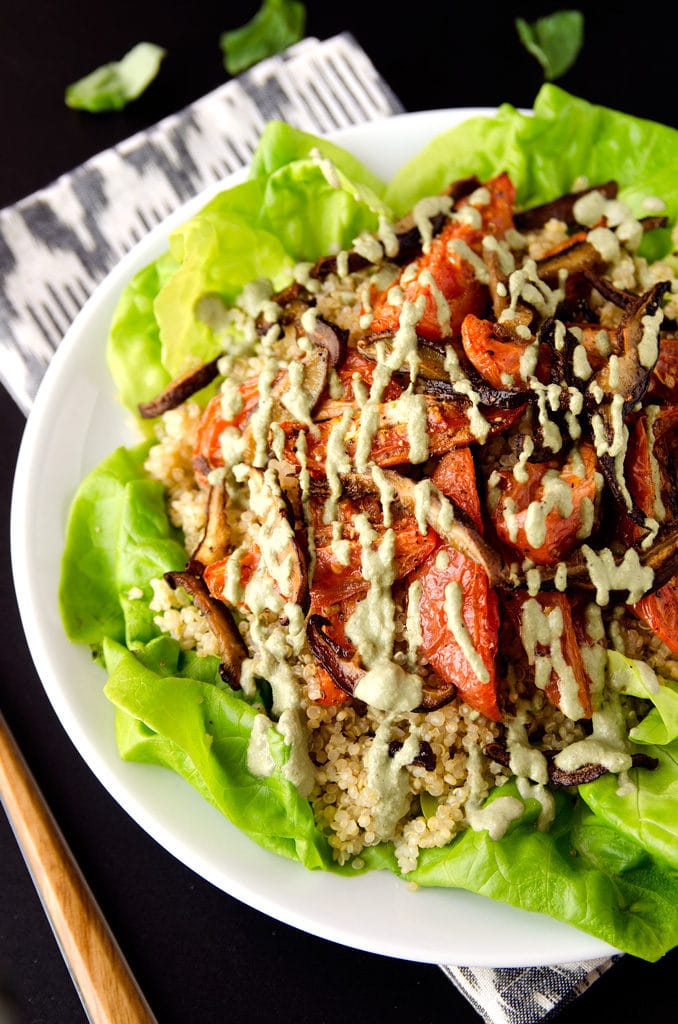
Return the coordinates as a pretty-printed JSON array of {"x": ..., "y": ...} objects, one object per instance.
[
  {"x": 276, "y": 25},
  {"x": 114, "y": 85},
  {"x": 555, "y": 40}
]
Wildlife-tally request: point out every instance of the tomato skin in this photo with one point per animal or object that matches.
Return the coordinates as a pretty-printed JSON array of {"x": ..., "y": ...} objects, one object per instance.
[
  {"x": 334, "y": 583},
  {"x": 480, "y": 612},
  {"x": 660, "y": 612},
  {"x": 561, "y": 531},
  {"x": 660, "y": 609},
  {"x": 663, "y": 384},
  {"x": 498, "y": 359},
  {"x": 447, "y": 427},
  {"x": 569, "y": 644},
  {"x": 215, "y": 575},
  {"x": 455, "y": 476},
  {"x": 207, "y": 453},
  {"x": 331, "y": 695},
  {"x": 454, "y": 276}
]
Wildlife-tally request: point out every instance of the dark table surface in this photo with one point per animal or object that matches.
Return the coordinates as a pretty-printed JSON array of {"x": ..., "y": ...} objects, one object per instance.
[{"x": 198, "y": 954}]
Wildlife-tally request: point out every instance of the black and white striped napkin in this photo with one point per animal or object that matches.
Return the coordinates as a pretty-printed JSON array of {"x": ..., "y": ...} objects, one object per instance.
[{"x": 57, "y": 244}]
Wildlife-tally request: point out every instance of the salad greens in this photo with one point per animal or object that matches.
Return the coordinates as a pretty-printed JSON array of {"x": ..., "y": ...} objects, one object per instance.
[
  {"x": 608, "y": 864},
  {"x": 276, "y": 25},
  {"x": 112, "y": 86},
  {"x": 554, "y": 40}
]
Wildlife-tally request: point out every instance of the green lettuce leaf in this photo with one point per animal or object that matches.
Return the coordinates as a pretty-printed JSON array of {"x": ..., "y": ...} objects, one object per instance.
[
  {"x": 112, "y": 86},
  {"x": 169, "y": 716},
  {"x": 280, "y": 145},
  {"x": 288, "y": 211},
  {"x": 582, "y": 872},
  {"x": 133, "y": 349},
  {"x": 636, "y": 679},
  {"x": 554, "y": 40},
  {"x": 644, "y": 808},
  {"x": 118, "y": 538},
  {"x": 545, "y": 151},
  {"x": 276, "y": 25}
]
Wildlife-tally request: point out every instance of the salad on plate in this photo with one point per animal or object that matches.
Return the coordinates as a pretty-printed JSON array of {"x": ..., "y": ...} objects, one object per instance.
[{"x": 391, "y": 576}]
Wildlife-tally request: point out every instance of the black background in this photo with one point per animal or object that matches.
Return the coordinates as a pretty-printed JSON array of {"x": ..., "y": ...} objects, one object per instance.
[{"x": 199, "y": 955}]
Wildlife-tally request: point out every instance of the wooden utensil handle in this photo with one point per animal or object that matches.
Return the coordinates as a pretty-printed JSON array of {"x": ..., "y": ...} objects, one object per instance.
[{"x": 108, "y": 991}]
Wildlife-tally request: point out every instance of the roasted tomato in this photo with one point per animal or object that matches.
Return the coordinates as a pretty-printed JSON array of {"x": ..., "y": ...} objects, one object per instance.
[
  {"x": 664, "y": 378},
  {"x": 541, "y": 517},
  {"x": 496, "y": 358},
  {"x": 336, "y": 579},
  {"x": 459, "y": 617},
  {"x": 454, "y": 474},
  {"x": 207, "y": 452},
  {"x": 445, "y": 271},
  {"x": 354, "y": 366},
  {"x": 447, "y": 427},
  {"x": 651, "y": 470},
  {"x": 558, "y": 645},
  {"x": 660, "y": 612}
]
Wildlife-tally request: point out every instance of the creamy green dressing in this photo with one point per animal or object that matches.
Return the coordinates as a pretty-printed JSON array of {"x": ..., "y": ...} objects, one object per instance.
[
  {"x": 454, "y": 597},
  {"x": 496, "y": 817},
  {"x": 606, "y": 575},
  {"x": 387, "y": 686},
  {"x": 543, "y": 628},
  {"x": 387, "y": 777}
]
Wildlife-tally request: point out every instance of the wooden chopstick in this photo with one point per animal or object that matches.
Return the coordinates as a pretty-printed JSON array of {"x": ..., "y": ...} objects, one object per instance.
[{"x": 100, "y": 973}]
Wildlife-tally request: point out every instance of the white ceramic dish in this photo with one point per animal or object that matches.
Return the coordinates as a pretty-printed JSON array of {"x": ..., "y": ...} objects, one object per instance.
[{"x": 75, "y": 422}]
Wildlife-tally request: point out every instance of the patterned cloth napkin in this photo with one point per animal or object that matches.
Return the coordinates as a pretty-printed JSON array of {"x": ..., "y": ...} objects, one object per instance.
[{"x": 57, "y": 244}]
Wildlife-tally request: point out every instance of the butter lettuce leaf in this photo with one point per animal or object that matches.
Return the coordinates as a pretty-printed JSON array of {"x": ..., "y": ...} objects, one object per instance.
[
  {"x": 288, "y": 211},
  {"x": 554, "y": 40},
  {"x": 581, "y": 871},
  {"x": 643, "y": 807},
  {"x": 118, "y": 538},
  {"x": 168, "y": 714},
  {"x": 275, "y": 26},
  {"x": 545, "y": 151},
  {"x": 112, "y": 86}
]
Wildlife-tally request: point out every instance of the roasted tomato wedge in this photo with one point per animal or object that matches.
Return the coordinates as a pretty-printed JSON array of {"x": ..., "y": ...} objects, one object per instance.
[
  {"x": 651, "y": 469},
  {"x": 459, "y": 618},
  {"x": 207, "y": 452},
  {"x": 337, "y": 574},
  {"x": 552, "y": 642},
  {"x": 496, "y": 358},
  {"x": 444, "y": 271},
  {"x": 543, "y": 515},
  {"x": 660, "y": 612},
  {"x": 664, "y": 378},
  {"x": 454, "y": 474},
  {"x": 447, "y": 426},
  {"x": 354, "y": 366}
]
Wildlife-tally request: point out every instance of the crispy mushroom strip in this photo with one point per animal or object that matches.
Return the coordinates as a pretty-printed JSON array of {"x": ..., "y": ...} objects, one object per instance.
[
  {"x": 439, "y": 513},
  {"x": 559, "y": 776},
  {"x": 180, "y": 390},
  {"x": 617, "y": 386},
  {"x": 215, "y": 541},
  {"x": 283, "y": 553},
  {"x": 294, "y": 304},
  {"x": 232, "y": 649},
  {"x": 344, "y": 666},
  {"x": 433, "y": 375},
  {"x": 661, "y": 558},
  {"x": 561, "y": 208}
]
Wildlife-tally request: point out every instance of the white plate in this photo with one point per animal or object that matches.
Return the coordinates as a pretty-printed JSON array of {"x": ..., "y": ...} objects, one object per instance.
[{"x": 75, "y": 422}]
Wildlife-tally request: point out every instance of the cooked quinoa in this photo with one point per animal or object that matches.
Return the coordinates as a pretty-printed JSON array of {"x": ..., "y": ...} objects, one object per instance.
[{"x": 447, "y": 773}]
